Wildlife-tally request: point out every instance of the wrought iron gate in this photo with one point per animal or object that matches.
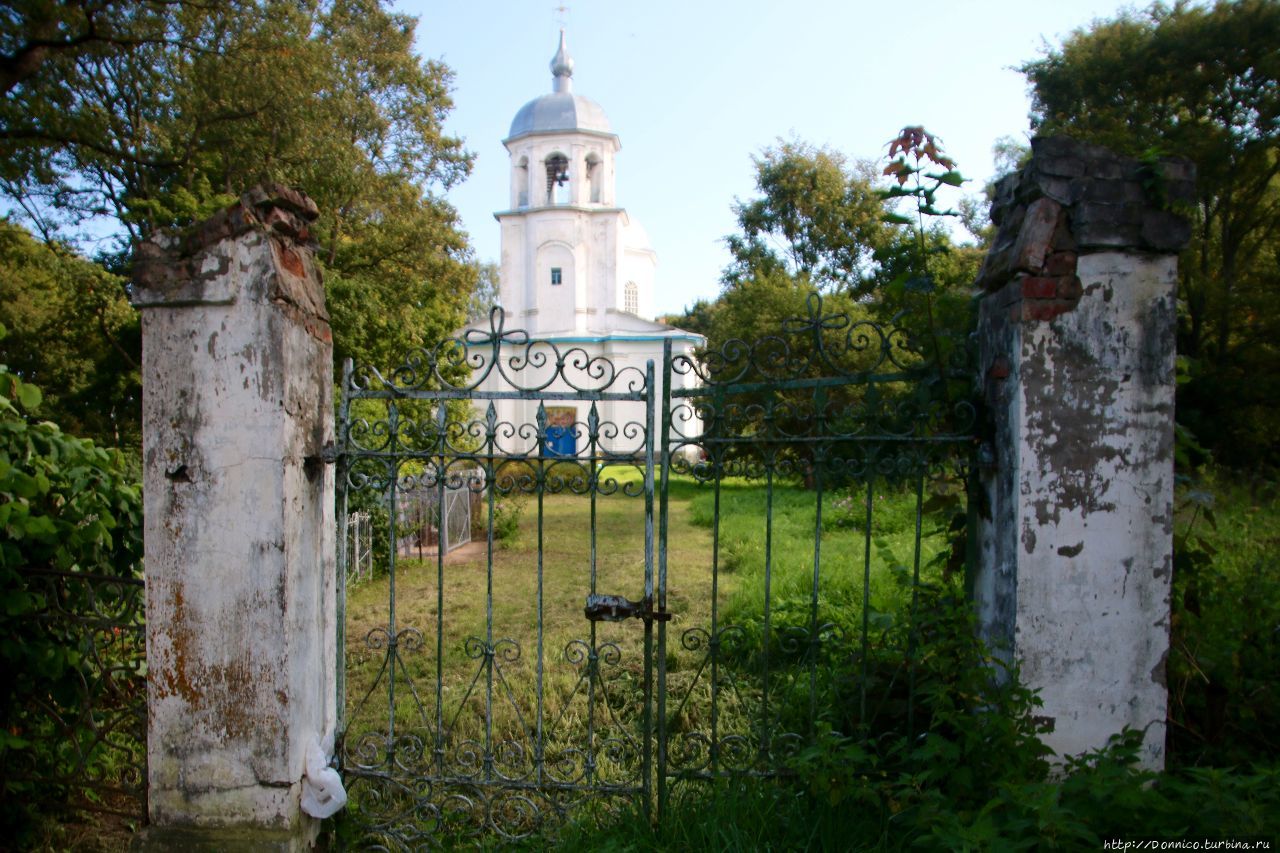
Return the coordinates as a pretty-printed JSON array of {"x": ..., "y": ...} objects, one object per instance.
[{"x": 467, "y": 710}]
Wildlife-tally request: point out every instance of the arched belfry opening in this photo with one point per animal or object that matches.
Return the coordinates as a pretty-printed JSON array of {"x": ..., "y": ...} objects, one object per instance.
[{"x": 557, "y": 179}]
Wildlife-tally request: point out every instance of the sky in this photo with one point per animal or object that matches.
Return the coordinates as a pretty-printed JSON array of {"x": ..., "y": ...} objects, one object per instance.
[{"x": 695, "y": 89}]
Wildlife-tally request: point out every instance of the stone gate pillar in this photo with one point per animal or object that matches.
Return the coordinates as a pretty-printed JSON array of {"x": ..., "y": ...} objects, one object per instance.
[
  {"x": 1076, "y": 331},
  {"x": 237, "y": 412}
]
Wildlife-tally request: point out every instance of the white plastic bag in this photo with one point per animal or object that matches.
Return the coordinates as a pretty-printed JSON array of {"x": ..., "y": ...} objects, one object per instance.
[{"x": 322, "y": 792}]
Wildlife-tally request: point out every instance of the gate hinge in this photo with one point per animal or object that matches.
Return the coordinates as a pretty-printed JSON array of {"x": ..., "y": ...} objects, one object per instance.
[
  {"x": 329, "y": 453},
  {"x": 986, "y": 456},
  {"x": 615, "y": 608}
]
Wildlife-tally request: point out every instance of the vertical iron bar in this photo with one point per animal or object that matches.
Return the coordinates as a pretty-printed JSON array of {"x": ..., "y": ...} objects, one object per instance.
[
  {"x": 393, "y": 425},
  {"x": 718, "y": 472},
  {"x": 340, "y": 588},
  {"x": 593, "y": 439},
  {"x": 819, "y": 466},
  {"x": 768, "y": 626},
  {"x": 663, "y": 510},
  {"x": 648, "y": 579},
  {"x": 491, "y": 433},
  {"x": 442, "y": 424},
  {"x": 866, "y": 599},
  {"x": 540, "y": 485},
  {"x": 912, "y": 636}
]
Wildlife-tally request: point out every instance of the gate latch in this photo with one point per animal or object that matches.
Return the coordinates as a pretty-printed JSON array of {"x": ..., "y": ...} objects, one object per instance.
[{"x": 615, "y": 608}]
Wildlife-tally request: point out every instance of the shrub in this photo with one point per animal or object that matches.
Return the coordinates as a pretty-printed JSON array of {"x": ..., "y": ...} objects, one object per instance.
[
  {"x": 506, "y": 519},
  {"x": 1224, "y": 662},
  {"x": 66, "y": 506}
]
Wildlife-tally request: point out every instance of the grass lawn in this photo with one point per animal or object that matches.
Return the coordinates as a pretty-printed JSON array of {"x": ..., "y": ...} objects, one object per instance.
[{"x": 591, "y": 727}]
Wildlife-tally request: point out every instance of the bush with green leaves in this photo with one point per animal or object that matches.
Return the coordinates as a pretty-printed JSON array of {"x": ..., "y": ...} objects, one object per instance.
[
  {"x": 970, "y": 773},
  {"x": 1224, "y": 660},
  {"x": 973, "y": 776},
  {"x": 67, "y": 507}
]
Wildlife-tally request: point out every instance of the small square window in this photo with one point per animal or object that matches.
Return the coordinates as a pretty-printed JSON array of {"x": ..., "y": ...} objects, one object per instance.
[{"x": 555, "y": 275}]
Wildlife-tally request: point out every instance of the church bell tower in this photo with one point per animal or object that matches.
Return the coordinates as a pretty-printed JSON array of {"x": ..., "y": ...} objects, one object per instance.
[{"x": 573, "y": 262}]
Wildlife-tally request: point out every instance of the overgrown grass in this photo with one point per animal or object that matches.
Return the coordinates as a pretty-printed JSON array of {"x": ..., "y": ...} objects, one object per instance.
[
  {"x": 1100, "y": 799},
  {"x": 972, "y": 774},
  {"x": 849, "y": 560},
  {"x": 974, "y": 780},
  {"x": 754, "y": 683},
  {"x": 535, "y": 597},
  {"x": 1224, "y": 663}
]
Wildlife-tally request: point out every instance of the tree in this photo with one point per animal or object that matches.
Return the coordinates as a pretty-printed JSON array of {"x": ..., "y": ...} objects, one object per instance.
[
  {"x": 895, "y": 302},
  {"x": 326, "y": 96},
  {"x": 1202, "y": 82},
  {"x": 73, "y": 333},
  {"x": 817, "y": 219},
  {"x": 697, "y": 318},
  {"x": 34, "y": 31},
  {"x": 487, "y": 291},
  {"x": 822, "y": 222}
]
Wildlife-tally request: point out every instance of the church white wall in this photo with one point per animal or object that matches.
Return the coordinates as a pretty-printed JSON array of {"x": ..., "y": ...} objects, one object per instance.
[
  {"x": 595, "y": 266},
  {"x": 638, "y": 265},
  {"x": 556, "y": 302}
]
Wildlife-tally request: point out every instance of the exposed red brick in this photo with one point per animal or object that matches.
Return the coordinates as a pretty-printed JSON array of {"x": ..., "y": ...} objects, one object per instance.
[
  {"x": 283, "y": 222},
  {"x": 273, "y": 195},
  {"x": 1070, "y": 287},
  {"x": 1060, "y": 263},
  {"x": 290, "y": 261},
  {"x": 1039, "y": 287},
  {"x": 1040, "y": 310}
]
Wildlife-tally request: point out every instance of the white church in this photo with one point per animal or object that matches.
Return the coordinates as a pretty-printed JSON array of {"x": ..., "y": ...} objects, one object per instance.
[{"x": 576, "y": 270}]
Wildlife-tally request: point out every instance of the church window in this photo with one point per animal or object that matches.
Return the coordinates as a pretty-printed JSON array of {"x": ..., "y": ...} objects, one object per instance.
[
  {"x": 631, "y": 298},
  {"x": 557, "y": 179},
  {"x": 556, "y": 277}
]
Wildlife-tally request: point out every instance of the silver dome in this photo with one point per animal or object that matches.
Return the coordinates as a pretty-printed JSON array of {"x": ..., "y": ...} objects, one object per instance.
[{"x": 560, "y": 110}]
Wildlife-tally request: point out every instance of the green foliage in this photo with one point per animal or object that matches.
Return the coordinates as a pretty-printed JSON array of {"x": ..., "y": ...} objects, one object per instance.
[
  {"x": 506, "y": 519},
  {"x": 373, "y": 504},
  {"x": 975, "y": 780},
  {"x": 817, "y": 220},
  {"x": 822, "y": 223},
  {"x": 895, "y": 296},
  {"x": 326, "y": 96},
  {"x": 1102, "y": 796},
  {"x": 67, "y": 506},
  {"x": 486, "y": 294},
  {"x": 1224, "y": 662},
  {"x": 925, "y": 279},
  {"x": 1200, "y": 81},
  {"x": 974, "y": 776},
  {"x": 73, "y": 332}
]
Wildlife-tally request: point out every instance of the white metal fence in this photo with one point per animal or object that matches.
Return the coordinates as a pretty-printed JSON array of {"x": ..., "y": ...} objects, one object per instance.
[
  {"x": 359, "y": 535},
  {"x": 418, "y": 519}
]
